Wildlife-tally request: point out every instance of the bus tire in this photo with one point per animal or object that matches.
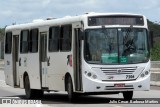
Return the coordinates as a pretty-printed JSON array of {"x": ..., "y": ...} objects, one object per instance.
[
  {"x": 128, "y": 95},
  {"x": 71, "y": 94},
  {"x": 29, "y": 92}
]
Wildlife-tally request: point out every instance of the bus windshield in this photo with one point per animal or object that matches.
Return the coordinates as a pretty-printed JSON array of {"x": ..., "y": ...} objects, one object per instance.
[{"x": 116, "y": 46}]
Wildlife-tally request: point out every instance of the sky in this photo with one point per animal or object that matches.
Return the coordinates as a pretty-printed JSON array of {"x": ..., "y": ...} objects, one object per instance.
[{"x": 24, "y": 11}]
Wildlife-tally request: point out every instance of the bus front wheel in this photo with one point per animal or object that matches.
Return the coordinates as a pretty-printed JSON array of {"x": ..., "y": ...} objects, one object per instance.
[
  {"x": 71, "y": 94},
  {"x": 127, "y": 95}
]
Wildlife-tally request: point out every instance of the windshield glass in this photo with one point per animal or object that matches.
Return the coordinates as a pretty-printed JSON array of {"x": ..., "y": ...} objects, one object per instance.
[{"x": 116, "y": 45}]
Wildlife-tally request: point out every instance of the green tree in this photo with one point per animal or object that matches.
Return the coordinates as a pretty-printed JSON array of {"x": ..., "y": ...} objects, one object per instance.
[
  {"x": 155, "y": 51},
  {"x": 2, "y": 33}
]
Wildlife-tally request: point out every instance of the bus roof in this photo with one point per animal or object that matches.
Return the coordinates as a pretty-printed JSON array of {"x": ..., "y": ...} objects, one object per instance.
[{"x": 64, "y": 20}]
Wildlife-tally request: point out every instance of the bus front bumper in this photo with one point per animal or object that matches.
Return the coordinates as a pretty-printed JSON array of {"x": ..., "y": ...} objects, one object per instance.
[{"x": 90, "y": 85}]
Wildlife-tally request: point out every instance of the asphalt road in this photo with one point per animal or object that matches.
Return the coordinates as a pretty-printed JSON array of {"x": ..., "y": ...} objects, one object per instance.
[{"x": 59, "y": 99}]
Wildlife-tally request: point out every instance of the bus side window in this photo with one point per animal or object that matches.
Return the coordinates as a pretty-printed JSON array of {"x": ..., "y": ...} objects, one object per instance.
[
  {"x": 33, "y": 41},
  {"x": 66, "y": 38},
  {"x": 54, "y": 33},
  {"x": 24, "y": 41},
  {"x": 8, "y": 43}
]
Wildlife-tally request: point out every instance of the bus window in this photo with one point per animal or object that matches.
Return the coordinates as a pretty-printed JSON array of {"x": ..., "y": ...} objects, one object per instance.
[
  {"x": 33, "y": 41},
  {"x": 24, "y": 41},
  {"x": 8, "y": 43},
  {"x": 66, "y": 37},
  {"x": 54, "y": 33}
]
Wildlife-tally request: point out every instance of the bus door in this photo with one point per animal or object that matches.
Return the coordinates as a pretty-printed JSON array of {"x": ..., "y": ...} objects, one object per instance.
[
  {"x": 43, "y": 59},
  {"x": 77, "y": 52},
  {"x": 15, "y": 60},
  {"x": 8, "y": 59}
]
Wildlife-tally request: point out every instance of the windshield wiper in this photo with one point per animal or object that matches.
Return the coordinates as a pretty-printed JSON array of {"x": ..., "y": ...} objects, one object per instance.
[{"x": 129, "y": 43}]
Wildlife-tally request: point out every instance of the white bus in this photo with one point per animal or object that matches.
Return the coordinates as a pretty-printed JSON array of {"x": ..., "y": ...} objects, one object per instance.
[{"x": 95, "y": 53}]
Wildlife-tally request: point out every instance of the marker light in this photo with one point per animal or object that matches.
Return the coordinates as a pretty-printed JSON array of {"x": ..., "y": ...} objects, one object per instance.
[
  {"x": 142, "y": 75},
  {"x": 85, "y": 72},
  {"x": 89, "y": 74},
  {"x": 146, "y": 73},
  {"x": 94, "y": 76}
]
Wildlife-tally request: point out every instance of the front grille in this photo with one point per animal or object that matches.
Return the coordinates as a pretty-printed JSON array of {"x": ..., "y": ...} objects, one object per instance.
[{"x": 118, "y": 70}]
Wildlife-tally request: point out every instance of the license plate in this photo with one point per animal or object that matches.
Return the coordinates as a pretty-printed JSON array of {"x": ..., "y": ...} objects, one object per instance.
[{"x": 119, "y": 85}]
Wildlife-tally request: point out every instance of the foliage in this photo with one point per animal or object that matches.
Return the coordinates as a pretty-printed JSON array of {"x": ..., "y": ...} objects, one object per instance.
[
  {"x": 155, "y": 28},
  {"x": 1, "y": 34},
  {"x": 155, "y": 52}
]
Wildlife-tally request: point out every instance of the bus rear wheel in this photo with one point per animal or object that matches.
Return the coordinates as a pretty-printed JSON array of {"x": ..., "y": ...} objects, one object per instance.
[
  {"x": 128, "y": 95},
  {"x": 32, "y": 93},
  {"x": 29, "y": 92}
]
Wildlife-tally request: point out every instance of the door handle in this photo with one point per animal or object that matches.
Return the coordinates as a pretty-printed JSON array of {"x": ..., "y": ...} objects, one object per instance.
[
  {"x": 8, "y": 63},
  {"x": 48, "y": 61},
  {"x": 19, "y": 61}
]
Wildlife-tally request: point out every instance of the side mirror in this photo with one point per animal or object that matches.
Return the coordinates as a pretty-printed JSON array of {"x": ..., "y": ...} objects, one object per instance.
[{"x": 151, "y": 39}]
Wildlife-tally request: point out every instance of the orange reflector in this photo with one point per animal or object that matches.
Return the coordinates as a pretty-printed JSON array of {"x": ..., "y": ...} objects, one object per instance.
[{"x": 70, "y": 60}]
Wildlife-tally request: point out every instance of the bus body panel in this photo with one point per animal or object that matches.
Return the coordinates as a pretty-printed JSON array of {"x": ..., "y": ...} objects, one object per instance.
[
  {"x": 23, "y": 62},
  {"x": 57, "y": 70},
  {"x": 34, "y": 70}
]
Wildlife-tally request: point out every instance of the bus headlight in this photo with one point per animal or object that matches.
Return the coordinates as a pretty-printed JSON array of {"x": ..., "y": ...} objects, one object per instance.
[
  {"x": 85, "y": 72},
  {"x": 142, "y": 75},
  {"x": 90, "y": 75},
  {"x": 146, "y": 72},
  {"x": 94, "y": 76}
]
